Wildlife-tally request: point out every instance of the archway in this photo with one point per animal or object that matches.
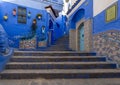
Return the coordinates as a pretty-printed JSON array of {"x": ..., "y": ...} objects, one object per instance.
[
  {"x": 80, "y": 35},
  {"x": 77, "y": 17}
]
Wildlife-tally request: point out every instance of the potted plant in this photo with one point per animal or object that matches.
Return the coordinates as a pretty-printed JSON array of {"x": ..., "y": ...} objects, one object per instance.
[
  {"x": 5, "y": 17},
  {"x": 39, "y": 16}
]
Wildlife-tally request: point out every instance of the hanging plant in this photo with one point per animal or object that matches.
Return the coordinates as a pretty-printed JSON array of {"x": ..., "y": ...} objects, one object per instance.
[
  {"x": 39, "y": 16},
  {"x": 29, "y": 14},
  {"x": 34, "y": 26},
  {"x": 5, "y": 17},
  {"x": 14, "y": 12}
]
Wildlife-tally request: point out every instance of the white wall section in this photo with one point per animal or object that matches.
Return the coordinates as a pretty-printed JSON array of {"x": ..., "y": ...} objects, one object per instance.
[{"x": 100, "y": 5}]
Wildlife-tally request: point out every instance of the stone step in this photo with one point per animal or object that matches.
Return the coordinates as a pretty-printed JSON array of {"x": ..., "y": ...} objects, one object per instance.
[
  {"x": 61, "y": 65},
  {"x": 57, "y": 58},
  {"x": 60, "y": 74},
  {"x": 52, "y": 53},
  {"x": 100, "y": 81}
]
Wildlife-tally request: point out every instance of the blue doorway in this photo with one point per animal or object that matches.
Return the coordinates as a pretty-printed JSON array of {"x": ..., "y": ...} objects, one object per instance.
[{"x": 81, "y": 35}]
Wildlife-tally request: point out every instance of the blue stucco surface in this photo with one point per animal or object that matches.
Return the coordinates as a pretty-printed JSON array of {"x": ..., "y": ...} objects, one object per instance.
[
  {"x": 84, "y": 11},
  {"x": 4, "y": 47},
  {"x": 100, "y": 24},
  {"x": 15, "y": 29}
]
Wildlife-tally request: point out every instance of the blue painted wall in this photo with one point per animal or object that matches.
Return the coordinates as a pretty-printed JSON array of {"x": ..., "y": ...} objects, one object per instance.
[
  {"x": 4, "y": 56},
  {"x": 15, "y": 29},
  {"x": 60, "y": 26},
  {"x": 84, "y": 11},
  {"x": 100, "y": 25}
]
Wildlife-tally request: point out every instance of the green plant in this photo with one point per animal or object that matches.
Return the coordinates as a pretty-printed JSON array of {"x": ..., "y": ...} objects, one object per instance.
[{"x": 39, "y": 16}]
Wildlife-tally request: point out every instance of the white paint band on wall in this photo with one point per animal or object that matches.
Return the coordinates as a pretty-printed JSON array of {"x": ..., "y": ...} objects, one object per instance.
[{"x": 100, "y": 5}]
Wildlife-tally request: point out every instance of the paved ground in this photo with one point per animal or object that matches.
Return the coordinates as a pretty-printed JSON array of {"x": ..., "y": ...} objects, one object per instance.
[{"x": 62, "y": 82}]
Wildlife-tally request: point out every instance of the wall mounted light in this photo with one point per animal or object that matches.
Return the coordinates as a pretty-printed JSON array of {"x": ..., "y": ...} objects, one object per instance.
[{"x": 14, "y": 12}]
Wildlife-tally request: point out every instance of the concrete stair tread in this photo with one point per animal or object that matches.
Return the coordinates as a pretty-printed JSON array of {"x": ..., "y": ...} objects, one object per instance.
[
  {"x": 50, "y": 52},
  {"x": 54, "y": 71},
  {"x": 62, "y": 63},
  {"x": 58, "y": 57}
]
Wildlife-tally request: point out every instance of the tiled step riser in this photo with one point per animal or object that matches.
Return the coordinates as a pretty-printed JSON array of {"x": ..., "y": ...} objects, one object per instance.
[
  {"x": 57, "y": 59},
  {"x": 59, "y": 75},
  {"x": 54, "y": 54},
  {"x": 63, "y": 66}
]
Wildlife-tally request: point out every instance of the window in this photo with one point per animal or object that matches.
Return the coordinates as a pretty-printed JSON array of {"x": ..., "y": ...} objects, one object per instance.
[
  {"x": 22, "y": 15},
  {"x": 111, "y": 13}
]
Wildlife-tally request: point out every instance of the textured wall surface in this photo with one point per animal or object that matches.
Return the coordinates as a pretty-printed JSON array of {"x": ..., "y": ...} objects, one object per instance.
[
  {"x": 72, "y": 39},
  {"x": 108, "y": 44},
  {"x": 28, "y": 44}
]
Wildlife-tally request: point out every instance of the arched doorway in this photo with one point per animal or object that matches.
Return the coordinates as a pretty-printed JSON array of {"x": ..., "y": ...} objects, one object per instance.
[{"x": 80, "y": 34}]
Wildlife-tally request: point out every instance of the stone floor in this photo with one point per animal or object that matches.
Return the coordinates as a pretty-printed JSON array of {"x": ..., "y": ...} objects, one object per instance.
[{"x": 62, "y": 82}]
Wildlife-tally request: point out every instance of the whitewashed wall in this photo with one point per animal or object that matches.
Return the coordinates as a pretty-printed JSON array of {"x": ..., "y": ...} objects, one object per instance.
[{"x": 100, "y": 5}]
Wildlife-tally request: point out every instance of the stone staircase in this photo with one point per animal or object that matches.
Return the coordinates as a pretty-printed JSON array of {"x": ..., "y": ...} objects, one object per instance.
[
  {"x": 58, "y": 62},
  {"x": 60, "y": 45},
  {"x": 58, "y": 65}
]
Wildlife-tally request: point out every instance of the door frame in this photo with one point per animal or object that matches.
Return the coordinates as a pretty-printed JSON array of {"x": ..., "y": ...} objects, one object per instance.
[{"x": 87, "y": 35}]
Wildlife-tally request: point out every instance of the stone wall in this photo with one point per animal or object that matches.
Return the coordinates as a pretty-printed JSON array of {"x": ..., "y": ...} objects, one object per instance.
[
  {"x": 28, "y": 43},
  {"x": 108, "y": 44},
  {"x": 88, "y": 35},
  {"x": 72, "y": 39}
]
